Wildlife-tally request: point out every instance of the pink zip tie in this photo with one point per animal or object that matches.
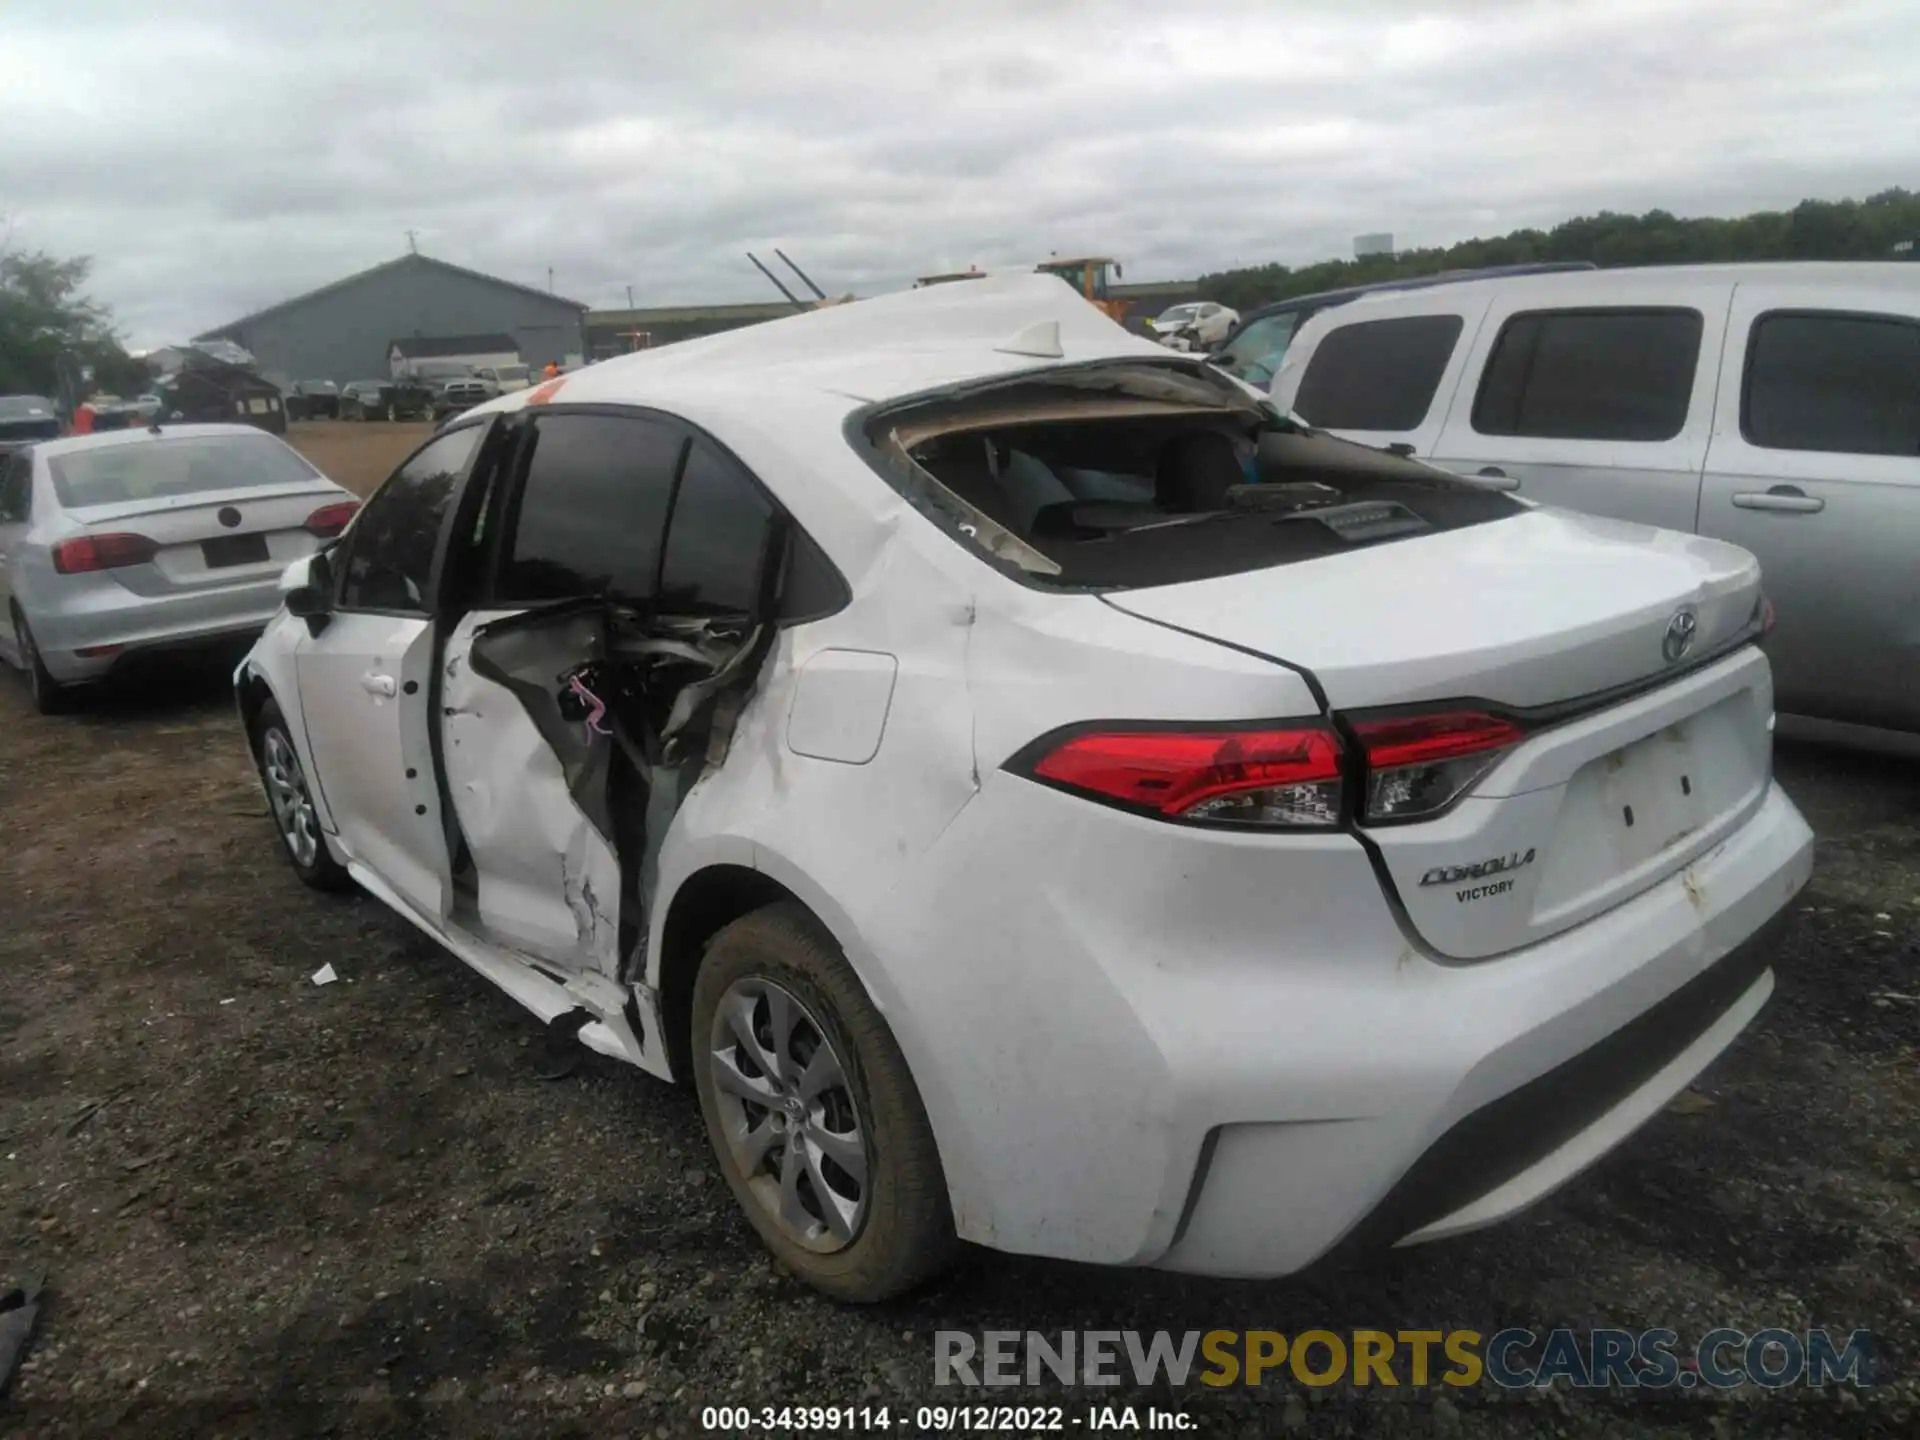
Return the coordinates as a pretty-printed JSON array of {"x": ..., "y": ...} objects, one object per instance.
[{"x": 598, "y": 707}]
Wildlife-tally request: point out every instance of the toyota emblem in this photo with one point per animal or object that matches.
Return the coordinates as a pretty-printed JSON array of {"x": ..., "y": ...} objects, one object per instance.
[{"x": 1680, "y": 632}]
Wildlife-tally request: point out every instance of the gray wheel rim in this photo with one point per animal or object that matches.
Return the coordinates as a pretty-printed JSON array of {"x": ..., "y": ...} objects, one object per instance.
[
  {"x": 788, "y": 1115},
  {"x": 287, "y": 794}
]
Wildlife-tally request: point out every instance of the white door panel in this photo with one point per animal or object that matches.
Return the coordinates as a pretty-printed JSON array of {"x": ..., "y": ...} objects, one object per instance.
[
  {"x": 1834, "y": 534},
  {"x": 364, "y": 695},
  {"x": 547, "y": 881}
]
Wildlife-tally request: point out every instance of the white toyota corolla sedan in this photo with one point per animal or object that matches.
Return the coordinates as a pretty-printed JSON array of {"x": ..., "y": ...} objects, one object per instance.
[{"x": 1038, "y": 795}]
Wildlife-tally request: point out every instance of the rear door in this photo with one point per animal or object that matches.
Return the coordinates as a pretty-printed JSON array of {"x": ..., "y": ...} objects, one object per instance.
[
  {"x": 1601, "y": 408},
  {"x": 1815, "y": 468},
  {"x": 526, "y": 738},
  {"x": 627, "y": 570},
  {"x": 366, "y": 678}
]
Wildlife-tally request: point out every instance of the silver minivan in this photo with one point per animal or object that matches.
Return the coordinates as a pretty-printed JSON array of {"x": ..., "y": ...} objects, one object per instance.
[{"x": 1776, "y": 406}]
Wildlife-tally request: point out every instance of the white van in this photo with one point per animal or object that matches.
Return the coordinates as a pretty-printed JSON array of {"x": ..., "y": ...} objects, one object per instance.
[{"x": 1776, "y": 406}]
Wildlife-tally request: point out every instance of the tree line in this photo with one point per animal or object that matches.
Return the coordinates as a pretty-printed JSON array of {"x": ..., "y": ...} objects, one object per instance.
[
  {"x": 44, "y": 310},
  {"x": 1812, "y": 230}
]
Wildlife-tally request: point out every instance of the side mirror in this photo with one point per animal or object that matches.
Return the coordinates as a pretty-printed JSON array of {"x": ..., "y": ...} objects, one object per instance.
[{"x": 306, "y": 588}]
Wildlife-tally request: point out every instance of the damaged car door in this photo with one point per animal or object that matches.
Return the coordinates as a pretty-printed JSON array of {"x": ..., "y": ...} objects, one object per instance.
[
  {"x": 363, "y": 676},
  {"x": 618, "y": 604}
]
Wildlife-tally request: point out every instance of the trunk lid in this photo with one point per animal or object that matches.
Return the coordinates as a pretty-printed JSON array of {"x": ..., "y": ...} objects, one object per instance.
[
  {"x": 1544, "y": 612},
  {"x": 1540, "y": 608},
  {"x": 236, "y": 536}
]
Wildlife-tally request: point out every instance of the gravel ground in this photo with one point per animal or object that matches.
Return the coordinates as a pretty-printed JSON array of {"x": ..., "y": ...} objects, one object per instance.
[{"x": 267, "y": 1208}]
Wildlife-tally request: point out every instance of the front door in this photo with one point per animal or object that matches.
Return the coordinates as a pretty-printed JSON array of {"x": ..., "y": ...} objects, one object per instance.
[{"x": 365, "y": 679}]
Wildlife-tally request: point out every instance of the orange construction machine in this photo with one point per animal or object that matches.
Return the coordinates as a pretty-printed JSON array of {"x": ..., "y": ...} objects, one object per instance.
[{"x": 1088, "y": 275}]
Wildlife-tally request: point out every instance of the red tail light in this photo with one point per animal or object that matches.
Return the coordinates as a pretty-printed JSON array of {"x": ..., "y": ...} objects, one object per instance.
[
  {"x": 330, "y": 520},
  {"x": 1286, "y": 778},
  {"x": 102, "y": 552},
  {"x": 1420, "y": 764},
  {"x": 1767, "y": 617}
]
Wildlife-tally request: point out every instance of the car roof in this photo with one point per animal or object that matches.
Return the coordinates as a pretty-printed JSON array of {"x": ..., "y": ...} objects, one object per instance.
[
  {"x": 109, "y": 439},
  {"x": 1417, "y": 282},
  {"x": 1595, "y": 284},
  {"x": 844, "y": 356}
]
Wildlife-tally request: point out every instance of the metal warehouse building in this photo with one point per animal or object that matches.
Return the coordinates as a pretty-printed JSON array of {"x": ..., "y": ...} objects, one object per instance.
[{"x": 348, "y": 330}]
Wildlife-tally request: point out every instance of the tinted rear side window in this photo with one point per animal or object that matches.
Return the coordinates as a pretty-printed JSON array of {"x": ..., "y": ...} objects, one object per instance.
[
  {"x": 1590, "y": 375},
  {"x": 1843, "y": 383},
  {"x": 592, "y": 511},
  {"x": 718, "y": 542},
  {"x": 1378, "y": 374}
]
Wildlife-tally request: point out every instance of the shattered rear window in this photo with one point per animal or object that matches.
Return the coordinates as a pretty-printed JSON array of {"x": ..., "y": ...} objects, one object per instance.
[{"x": 1133, "y": 475}]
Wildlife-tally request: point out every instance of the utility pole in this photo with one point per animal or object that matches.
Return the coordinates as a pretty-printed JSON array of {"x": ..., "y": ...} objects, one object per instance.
[
  {"x": 413, "y": 247},
  {"x": 549, "y": 279},
  {"x": 629, "y": 297}
]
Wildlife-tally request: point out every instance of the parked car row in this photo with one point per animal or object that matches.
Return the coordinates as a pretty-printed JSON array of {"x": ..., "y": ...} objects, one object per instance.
[{"x": 391, "y": 400}]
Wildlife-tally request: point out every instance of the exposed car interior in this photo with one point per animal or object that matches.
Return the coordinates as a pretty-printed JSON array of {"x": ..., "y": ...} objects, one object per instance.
[{"x": 1150, "y": 486}]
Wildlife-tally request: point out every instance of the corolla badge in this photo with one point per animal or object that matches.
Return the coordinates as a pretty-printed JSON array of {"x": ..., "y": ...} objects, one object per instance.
[
  {"x": 1681, "y": 629},
  {"x": 1493, "y": 865}
]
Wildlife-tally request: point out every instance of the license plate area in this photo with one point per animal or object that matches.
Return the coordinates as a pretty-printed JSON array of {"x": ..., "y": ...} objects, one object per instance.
[
  {"x": 225, "y": 551},
  {"x": 1656, "y": 792}
]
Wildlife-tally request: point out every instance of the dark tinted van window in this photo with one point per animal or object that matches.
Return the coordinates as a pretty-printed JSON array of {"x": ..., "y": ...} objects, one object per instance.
[
  {"x": 1378, "y": 374},
  {"x": 1844, "y": 383},
  {"x": 1590, "y": 375},
  {"x": 718, "y": 540},
  {"x": 591, "y": 513}
]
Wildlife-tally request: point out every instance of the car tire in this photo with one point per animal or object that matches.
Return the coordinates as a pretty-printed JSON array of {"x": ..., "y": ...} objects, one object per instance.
[
  {"x": 49, "y": 696},
  {"x": 902, "y": 1232},
  {"x": 290, "y": 802}
]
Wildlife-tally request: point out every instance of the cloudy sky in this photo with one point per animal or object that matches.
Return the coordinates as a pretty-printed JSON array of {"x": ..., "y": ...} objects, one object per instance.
[{"x": 216, "y": 159}]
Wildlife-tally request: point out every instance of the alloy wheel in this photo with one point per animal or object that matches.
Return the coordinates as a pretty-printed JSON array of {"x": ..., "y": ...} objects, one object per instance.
[
  {"x": 287, "y": 794},
  {"x": 791, "y": 1122}
]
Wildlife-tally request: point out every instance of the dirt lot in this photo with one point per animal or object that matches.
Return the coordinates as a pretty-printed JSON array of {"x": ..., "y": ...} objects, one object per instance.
[
  {"x": 267, "y": 1208},
  {"x": 358, "y": 455}
]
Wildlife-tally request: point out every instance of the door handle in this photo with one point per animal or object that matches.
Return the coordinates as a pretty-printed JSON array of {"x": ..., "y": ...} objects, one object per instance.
[
  {"x": 375, "y": 684},
  {"x": 1496, "y": 478},
  {"x": 1788, "y": 498}
]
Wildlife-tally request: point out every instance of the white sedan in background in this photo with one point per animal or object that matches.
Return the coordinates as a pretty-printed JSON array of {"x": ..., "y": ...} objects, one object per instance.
[
  {"x": 1197, "y": 325},
  {"x": 1039, "y": 796},
  {"x": 123, "y": 545}
]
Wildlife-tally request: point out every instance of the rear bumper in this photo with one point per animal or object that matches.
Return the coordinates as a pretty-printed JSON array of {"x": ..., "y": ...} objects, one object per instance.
[
  {"x": 1559, "y": 1072},
  {"x": 1224, "y": 1056},
  {"x": 123, "y": 626}
]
